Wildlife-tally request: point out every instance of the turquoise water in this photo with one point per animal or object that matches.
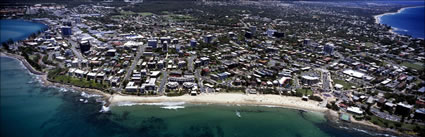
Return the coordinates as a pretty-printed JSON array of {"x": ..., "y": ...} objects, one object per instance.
[
  {"x": 29, "y": 109},
  {"x": 410, "y": 21},
  {"x": 18, "y": 29}
]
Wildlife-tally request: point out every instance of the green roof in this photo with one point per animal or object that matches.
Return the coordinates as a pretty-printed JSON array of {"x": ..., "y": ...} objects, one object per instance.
[{"x": 345, "y": 117}]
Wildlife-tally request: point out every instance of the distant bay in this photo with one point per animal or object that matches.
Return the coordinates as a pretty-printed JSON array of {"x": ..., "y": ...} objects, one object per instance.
[
  {"x": 407, "y": 21},
  {"x": 18, "y": 29}
]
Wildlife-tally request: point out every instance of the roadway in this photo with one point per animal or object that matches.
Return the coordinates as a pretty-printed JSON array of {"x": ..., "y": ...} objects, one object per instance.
[
  {"x": 163, "y": 81},
  {"x": 198, "y": 76},
  {"x": 133, "y": 64},
  {"x": 190, "y": 62},
  {"x": 74, "y": 49}
]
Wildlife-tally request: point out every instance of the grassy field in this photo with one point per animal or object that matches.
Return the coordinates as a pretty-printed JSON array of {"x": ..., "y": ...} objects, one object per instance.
[
  {"x": 417, "y": 65},
  {"x": 78, "y": 82},
  {"x": 343, "y": 83},
  {"x": 126, "y": 13},
  {"x": 369, "y": 44},
  {"x": 391, "y": 124},
  {"x": 145, "y": 13},
  {"x": 304, "y": 91}
]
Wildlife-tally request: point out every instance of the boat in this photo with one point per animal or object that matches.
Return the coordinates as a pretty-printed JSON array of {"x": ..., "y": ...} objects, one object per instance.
[{"x": 238, "y": 114}]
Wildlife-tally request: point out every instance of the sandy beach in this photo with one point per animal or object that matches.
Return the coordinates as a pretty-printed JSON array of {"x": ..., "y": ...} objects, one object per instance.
[{"x": 227, "y": 98}]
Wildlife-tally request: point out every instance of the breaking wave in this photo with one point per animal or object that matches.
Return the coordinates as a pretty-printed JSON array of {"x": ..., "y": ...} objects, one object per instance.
[
  {"x": 86, "y": 95},
  {"x": 164, "y": 105}
]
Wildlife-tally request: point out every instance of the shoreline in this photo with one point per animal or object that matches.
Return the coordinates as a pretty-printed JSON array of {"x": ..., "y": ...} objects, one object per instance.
[
  {"x": 288, "y": 102},
  {"x": 43, "y": 76},
  {"x": 393, "y": 29},
  {"x": 225, "y": 98},
  {"x": 44, "y": 27}
]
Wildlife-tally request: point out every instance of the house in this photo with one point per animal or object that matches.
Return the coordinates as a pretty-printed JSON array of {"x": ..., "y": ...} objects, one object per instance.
[
  {"x": 172, "y": 85},
  {"x": 355, "y": 110},
  {"x": 420, "y": 114},
  {"x": 131, "y": 87}
]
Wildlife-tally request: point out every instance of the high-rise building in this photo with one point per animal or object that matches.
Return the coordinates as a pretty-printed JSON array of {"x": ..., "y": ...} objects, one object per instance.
[
  {"x": 306, "y": 42},
  {"x": 403, "y": 109},
  {"x": 208, "y": 39},
  {"x": 163, "y": 39},
  {"x": 279, "y": 34},
  {"x": 175, "y": 41},
  {"x": 152, "y": 43},
  {"x": 270, "y": 32},
  {"x": 248, "y": 35},
  {"x": 253, "y": 29},
  {"x": 66, "y": 31},
  {"x": 231, "y": 34},
  {"x": 85, "y": 46},
  {"x": 193, "y": 43},
  {"x": 165, "y": 46},
  {"x": 328, "y": 48}
]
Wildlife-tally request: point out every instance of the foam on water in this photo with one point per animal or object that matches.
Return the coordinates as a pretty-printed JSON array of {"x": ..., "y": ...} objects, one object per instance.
[
  {"x": 104, "y": 109},
  {"x": 86, "y": 95},
  {"x": 173, "y": 107},
  {"x": 124, "y": 104},
  {"x": 367, "y": 132},
  {"x": 270, "y": 106},
  {"x": 164, "y": 105},
  {"x": 398, "y": 29}
]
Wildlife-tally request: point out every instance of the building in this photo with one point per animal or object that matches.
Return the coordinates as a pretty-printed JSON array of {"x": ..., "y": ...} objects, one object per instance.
[
  {"x": 309, "y": 80},
  {"x": 420, "y": 114},
  {"x": 84, "y": 46},
  {"x": 284, "y": 80},
  {"x": 111, "y": 52},
  {"x": 231, "y": 34},
  {"x": 172, "y": 85},
  {"x": 306, "y": 42},
  {"x": 270, "y": 32},
  {"x": 403, "y": 109},
  {"x": 355, "y": 110},
  {"x": 353, "y": 73},
  {"x": 248, "y": 35},
  {"x": 205, "y": 60},
  {"x": 165, "y": 39},
  {"x": 153, "y": 43},
  {"x": 193, "y": 43},
  {"x": 133, "y": 1},
  {"x": 181, "y": 79},
  {"x": 253, "y": 30},
  {"x": 328, "y": 48},
  {"x": 175, "y": 41},
  {"x": 150, "y": 84},
  {"x": 66, "y": 31},
  {"x": 189, "y": 85},
  {"x": 165, "y": 46},
  {"x": 208, "y": 39},
  {"x": 279, "y": 34}
]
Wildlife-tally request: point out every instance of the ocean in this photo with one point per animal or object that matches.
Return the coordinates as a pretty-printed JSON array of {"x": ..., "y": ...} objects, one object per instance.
[
  {"x": 30, "y": 109},
  {"x": 18, "y": 29},
  {"x": 409, "y": 21}
]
